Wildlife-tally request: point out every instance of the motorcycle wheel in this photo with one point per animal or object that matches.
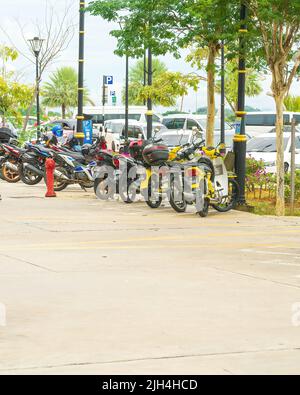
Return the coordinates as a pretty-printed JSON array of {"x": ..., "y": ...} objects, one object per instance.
[
  {"x": 156, "y": 201},
  {"x": 232, "y": 200},
  {"x": 101, "y": 190},
  {"x": 59, "y": 185},
  {"x": 204, "y": 212},
  {"x": 28, "y": 177},
  {"x": 9, "y": 175},
  {"x": 178, "y": 206}
]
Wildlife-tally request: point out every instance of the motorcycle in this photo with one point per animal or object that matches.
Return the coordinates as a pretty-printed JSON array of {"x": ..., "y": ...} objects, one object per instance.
[
  {"x": 10, "y": 163},
  {"x": 32, "y": 164},
  {"x": 210, "y": 182}
]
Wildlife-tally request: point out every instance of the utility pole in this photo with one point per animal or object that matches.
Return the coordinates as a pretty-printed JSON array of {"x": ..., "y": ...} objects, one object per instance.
[
  {"x": 222, "y": 93},
  {"x": 80, "y": 117},
  {"x": 149, "y": 101},
  {"x": 240, "y": 139}
]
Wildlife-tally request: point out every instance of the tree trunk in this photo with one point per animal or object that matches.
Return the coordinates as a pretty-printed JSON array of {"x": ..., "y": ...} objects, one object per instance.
[
  {"x": 63, "y": 111},
  {"x": 280, "y": 203},
  {"x": 211, "y": 105}
]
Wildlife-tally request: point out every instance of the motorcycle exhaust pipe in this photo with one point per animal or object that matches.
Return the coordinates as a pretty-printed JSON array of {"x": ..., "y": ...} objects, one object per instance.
[
  {"x": 60, "y": 175},
  {"x": 11, "y": 167},
  {"x": 33, "y": 169}
]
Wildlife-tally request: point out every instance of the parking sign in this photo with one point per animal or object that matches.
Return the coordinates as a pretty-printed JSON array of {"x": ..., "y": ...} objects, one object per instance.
[{"x": 109, "y": 80}]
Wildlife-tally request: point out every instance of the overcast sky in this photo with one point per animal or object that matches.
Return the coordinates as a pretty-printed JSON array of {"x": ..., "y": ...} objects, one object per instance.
[{"x": 99, "y": 49}]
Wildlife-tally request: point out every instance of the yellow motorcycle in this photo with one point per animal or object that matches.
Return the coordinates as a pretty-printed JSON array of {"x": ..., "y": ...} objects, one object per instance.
[{"x": 209, "y": 182}]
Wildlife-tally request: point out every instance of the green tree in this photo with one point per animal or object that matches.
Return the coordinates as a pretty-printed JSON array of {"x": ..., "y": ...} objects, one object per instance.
[
  {"x": 253, "y": 87},
  {"x": 13, "y": 95},
  {"x": 62, "y": 90},
  {"x": 168, "y": 86},
  {"x": 278, "y": 25},
  {"x": 136, "y": 80},
  {"x": 167, "y": 25},
  {"x": 7, "y": 54},
  {"x": 292, "y": 103}
]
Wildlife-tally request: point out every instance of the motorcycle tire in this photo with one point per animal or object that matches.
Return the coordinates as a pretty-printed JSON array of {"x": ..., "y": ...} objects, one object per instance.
[
  {"x": 204, "y": 212},
  {"x": 156, "y": 203},
  {"x": 101, "y": 193},
  {"x": 9, "y": 175},
  {"x": 1, "y": 175},
  {"x": 234, "y": 190},
  {"x": 59, "y": 185},
  {"x": 28, "y": 177},
  {"x": 178, "y": 206}
]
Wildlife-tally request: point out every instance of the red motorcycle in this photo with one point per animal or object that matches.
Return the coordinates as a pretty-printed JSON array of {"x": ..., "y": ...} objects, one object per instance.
[{"x": 9, "y": 163}]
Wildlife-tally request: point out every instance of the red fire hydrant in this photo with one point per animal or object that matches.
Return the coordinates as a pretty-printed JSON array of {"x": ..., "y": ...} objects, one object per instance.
[{"x": 50, "y": 167}]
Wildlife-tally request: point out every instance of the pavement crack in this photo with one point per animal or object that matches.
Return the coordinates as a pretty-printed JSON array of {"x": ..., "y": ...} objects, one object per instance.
[
  {"x": 158, "y": 358},
  {"x": 28, "y": 263}
]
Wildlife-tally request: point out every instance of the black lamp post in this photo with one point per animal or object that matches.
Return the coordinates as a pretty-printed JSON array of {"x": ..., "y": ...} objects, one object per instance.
[
  {"x": 122, "y": 25},
  {"x": 222, "y": 93},
  {"x": 240, "y": 139},
  {"x": 149, "y": 101},
  {"x": 36, "y": 46}
]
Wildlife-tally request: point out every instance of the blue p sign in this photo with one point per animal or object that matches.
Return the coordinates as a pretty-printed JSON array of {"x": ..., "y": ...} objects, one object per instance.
[{"x": 109, "y": 79}]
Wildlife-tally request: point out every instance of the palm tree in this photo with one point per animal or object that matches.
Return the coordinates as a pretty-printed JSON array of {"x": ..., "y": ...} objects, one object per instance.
[{"x": 62, "y": 90}]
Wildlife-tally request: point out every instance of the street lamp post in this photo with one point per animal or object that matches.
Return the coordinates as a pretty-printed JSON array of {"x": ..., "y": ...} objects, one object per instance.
[
  {"x": 240, "y": 139},
  {"x": 36, "y": 46}
]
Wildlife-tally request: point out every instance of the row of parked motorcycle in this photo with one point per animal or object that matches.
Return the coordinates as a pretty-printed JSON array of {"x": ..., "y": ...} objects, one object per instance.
[{"x": 190, "y": 174}]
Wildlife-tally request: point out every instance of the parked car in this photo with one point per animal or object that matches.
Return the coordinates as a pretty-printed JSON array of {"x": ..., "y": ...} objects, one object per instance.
[
  {"x": 114, "y": 131},
  {"x": 261, "y": 122},
  {"x": 176, "y": 138},
  {"x": 263, "y": 147},
  {"x": 189, "y": 121}
]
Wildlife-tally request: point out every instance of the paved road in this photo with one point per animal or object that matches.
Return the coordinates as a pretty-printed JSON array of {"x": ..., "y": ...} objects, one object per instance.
[{"x": 104, "y": 287}]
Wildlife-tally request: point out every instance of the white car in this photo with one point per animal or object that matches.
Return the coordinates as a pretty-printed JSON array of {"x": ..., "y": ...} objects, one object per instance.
[
  {"x": 263, "y": 147},
  {"x": 190, "y": 121},
  {"x": 176, "y": 138},
  {"x": 114, "y": 131}
]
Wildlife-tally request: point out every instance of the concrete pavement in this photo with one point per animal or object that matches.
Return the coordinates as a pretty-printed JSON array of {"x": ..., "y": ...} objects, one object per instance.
[{"x": 104, "y": 287}]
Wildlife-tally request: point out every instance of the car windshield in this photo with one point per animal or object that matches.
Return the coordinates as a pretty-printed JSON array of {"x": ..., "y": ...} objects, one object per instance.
[
  {"x": 264, "y": 144},
  {"x": 115, "y": 127},
  {"x": 203, "y": 124},
  {"x": 174, "y": 123},
  {"x": 174, "y": 140}
]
